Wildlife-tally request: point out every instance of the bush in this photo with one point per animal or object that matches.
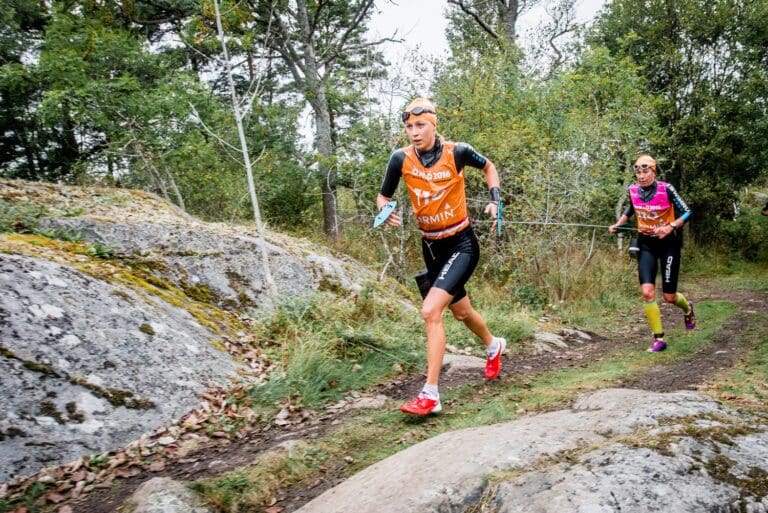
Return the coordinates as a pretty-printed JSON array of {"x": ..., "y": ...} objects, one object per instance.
[
  {"x": 747, "y": 235},
  {"x": 19, "y": 217}
]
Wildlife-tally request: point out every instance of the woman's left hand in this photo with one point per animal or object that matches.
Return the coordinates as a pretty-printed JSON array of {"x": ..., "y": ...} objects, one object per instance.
[
  {"x": 663, "y": 231},
  {"x": 492, "y": 208}
]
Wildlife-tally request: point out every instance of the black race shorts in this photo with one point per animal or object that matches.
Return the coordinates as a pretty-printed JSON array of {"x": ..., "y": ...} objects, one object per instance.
[
  {"x": 451, "y": 261},
  {"x": 658, "y": 253}
]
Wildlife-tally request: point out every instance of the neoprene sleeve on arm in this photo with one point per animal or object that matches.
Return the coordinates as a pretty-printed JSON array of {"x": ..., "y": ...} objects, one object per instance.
[
  {"x": 680, "y": 205},
  {"x": 465, "y": 155},
  {"x": 630, "y": 210},
  {"x": 393, "y": 174}
]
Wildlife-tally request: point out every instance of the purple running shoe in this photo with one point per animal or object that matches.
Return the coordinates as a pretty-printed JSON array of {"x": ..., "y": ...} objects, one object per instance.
[
  {"x": 657, "y": 346},
  {"x": 690, "y": 318}
]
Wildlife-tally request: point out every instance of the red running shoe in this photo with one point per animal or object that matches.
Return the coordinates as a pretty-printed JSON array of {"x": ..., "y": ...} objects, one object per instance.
[
  {"x": 422, "y": 405},
  {"x": 493, "y": 363}
]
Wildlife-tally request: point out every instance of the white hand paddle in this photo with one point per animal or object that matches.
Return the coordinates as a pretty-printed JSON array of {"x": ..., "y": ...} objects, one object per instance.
[{"x": 384, "y": 213}]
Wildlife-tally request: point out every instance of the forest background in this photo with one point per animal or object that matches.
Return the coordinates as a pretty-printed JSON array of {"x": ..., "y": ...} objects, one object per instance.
[{"x": 151, "y": 94}]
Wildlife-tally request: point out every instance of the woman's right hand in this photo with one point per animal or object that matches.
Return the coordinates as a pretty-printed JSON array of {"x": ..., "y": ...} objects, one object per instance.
[{"x": 393, "y": 219}]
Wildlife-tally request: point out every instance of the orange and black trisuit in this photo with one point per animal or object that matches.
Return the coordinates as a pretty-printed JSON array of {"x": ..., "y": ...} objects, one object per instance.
[{"x": 435, "y": 182}]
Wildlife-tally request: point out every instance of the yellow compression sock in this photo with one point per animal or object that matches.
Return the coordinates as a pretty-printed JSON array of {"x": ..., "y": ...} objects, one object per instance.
[
  {"x": 682, "y": 303},
  {"x": 653, "y": 312}
]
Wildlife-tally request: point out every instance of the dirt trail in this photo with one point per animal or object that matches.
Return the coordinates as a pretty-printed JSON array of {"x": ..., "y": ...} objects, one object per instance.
[
  {"x": 222, "y": 456},
  {"x": 725, "y": 350}
]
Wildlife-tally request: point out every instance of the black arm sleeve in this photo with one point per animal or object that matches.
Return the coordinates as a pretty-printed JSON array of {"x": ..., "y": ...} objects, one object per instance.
[
  {"x": 630, "y": 210},
  {"x": 465, "y": 155},
  {"x": 679, "y": 203},
  {"x": 394, "y": 172}
]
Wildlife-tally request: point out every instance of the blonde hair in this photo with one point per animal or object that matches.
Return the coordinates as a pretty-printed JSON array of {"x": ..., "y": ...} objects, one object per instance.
[{"x": 424, "y": 103}]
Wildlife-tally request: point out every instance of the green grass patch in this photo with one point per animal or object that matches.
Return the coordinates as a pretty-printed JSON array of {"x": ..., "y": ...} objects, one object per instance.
[
  {"x": 590, "y": 313},
  {"x": 753, "y": 277},
  {"x": 368, "y": 437},
  {"x": 727, "y": 270},
  {"x": 19, "y": 217},
  {"x": 711, "y": 317},
  {"x": 23, "y": 218},
  {"x": 326, "y": 345},
  {"x": 253, "y": 487},
  {"x": 513, "y": 322},
  {"x": 746, "y": 385},
  {"x": 30, "y": 500}
]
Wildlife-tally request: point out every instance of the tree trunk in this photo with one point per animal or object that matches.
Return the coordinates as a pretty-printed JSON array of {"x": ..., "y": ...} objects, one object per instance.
[
  {"x": 30, "y": 154},
  {"x": 315, "y": 94},
  {"x": 312, "y": 38},
  {"x": 244, "y": 148},
  {"x": 508, "y": 14},
  {"x": 70, "y": 151},
  {"x": 176, "y": 191},
  {"x": 152, "y": 170},
  {"x": 324, "y": 145}
]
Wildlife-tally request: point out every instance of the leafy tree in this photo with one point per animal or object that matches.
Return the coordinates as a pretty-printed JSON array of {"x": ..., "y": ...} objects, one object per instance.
[
  {"x": 80, "y": 60},
  {"x": 90, "y": 71},
  {"x": 562, "y": 147},
  {"x": 706, "y": 62},
  {"x": 98, "y": 96},
  {"x": 21, "y": 31}
]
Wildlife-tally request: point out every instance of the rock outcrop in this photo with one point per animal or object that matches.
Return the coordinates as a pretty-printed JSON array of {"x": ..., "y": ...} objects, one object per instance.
[
  {"x": 614, "y": 450},
  {"x": 87, "y": 366},
  {"x": 164, "y": 495},
  {"x": 112, "y": 326}
]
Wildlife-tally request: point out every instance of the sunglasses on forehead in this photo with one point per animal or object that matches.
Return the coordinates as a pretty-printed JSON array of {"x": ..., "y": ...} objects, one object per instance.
[
  {"x": 417, "y": 111},
  {"x": 644, "y": 166}
]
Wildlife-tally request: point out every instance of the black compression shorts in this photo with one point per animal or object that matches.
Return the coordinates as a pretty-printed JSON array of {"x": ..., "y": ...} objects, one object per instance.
[
  {"x": 654, "y": 251},
  {"x": 451, "y": 261}
]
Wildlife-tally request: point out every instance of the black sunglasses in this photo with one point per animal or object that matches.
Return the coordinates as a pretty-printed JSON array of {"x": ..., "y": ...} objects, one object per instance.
[
  {"x": 417, "y": 111},
  {"x": 644, "y": 166}
]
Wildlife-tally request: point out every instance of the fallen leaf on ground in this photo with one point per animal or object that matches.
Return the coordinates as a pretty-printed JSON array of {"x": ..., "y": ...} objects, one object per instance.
[
  {"x": 126, "y": 473},
  {"x": 54, "y": 497},
  {"x": 157, "y": 466}
]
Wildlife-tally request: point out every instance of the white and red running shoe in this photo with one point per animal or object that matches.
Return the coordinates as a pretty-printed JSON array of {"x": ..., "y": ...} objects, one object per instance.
[
  {"x": 423, "y": 404},
  {"x": 493, "y": 363}
]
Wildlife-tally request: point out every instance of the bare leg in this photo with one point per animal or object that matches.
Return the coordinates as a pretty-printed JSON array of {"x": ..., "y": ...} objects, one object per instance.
[
  {"x": 648, "y": 290},
  {"x": 432, "y": 311},
  {"x": 463, "y": 311}
]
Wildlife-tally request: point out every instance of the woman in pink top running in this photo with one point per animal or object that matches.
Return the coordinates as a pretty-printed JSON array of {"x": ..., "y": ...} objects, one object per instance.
[{"x": 661, "y": 213}]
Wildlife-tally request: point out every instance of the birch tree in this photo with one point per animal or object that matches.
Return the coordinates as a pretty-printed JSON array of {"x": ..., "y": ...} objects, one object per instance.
[{"x": 237, "y": 109}]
